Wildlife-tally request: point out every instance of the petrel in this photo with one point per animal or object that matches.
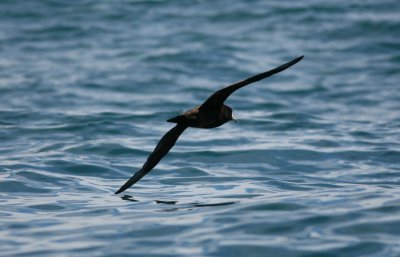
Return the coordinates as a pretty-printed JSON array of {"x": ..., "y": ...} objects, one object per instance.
[{"x": 211, "y": 114}]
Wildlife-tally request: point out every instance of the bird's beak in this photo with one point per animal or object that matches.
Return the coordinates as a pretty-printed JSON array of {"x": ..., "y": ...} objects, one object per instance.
[{"x": 234, "y": 119}]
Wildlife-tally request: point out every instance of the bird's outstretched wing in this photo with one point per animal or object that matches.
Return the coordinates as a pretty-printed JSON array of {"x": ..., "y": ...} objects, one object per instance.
[
  {"x": 218, "y": 98},
  {"x": 162, "y": 148}
]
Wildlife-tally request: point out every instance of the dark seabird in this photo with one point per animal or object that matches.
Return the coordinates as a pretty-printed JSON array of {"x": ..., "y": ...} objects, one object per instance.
[{"x": 212, "y": 113}]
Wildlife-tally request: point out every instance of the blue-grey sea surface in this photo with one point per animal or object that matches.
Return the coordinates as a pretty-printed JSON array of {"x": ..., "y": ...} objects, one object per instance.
[{"x": 311, "y": 168}]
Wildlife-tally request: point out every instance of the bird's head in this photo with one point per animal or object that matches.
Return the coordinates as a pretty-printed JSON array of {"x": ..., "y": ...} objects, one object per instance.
[{"x": 228, "y": 114}]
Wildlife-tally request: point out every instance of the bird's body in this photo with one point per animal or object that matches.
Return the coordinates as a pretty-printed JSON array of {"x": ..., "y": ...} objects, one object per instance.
[
  {"x": 200, "y": 118},
  {"x": 212, "y": 113}
]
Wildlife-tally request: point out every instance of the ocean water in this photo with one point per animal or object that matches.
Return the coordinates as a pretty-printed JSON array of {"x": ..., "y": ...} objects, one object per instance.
[{"x": 311, "y": 168}]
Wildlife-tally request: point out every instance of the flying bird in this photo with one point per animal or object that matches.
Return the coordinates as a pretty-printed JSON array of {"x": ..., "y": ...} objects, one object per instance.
[{"x": 212, "y": 113}]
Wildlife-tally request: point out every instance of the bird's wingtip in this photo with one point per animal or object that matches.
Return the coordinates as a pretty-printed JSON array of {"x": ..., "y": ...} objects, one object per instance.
[
  {"x": 123, "y": 188},
  {"x": 293, "y": 62},
  {"x": 119, "y": 191},
  {"x": 298, "y": 58}
]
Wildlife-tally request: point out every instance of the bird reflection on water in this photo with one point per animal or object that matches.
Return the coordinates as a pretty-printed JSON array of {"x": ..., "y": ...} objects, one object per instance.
[{"x": 175, "y": 206}]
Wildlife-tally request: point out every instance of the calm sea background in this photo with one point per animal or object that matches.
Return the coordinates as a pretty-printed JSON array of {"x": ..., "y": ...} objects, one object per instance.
[{"x": 311, "y": 168}]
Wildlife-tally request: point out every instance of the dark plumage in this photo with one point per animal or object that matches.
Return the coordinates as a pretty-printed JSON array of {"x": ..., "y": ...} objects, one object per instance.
[{"x": 212, "y": 113}]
